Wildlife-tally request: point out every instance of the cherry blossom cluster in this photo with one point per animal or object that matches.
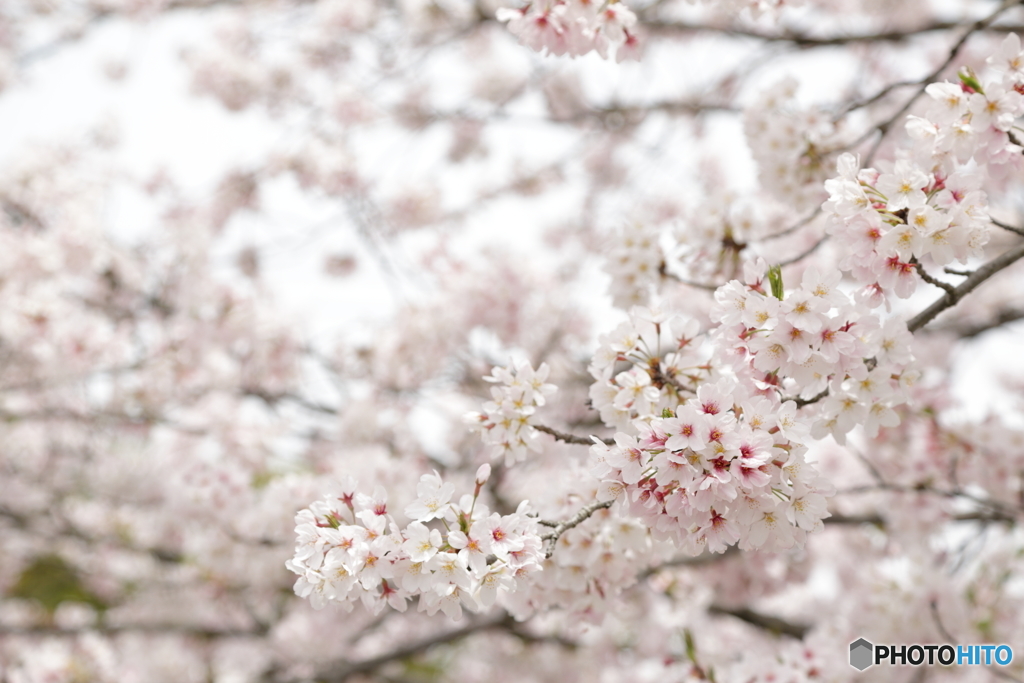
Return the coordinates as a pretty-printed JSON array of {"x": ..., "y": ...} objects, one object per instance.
[
  {"x": 505, "y": 422},
  {"x": 634, "y": 262},
  {"x": 712, "y": 473},
  {"x": 988, "y": 455},
  {"x": 644, "y": 366},
  {"x": 713, "y": 241},
  {"x": 968, "y": 120},
  {"x": 817, "y": 340},
  {"x": 787, "y": 142},
  {"x": 575, "y": 27},
  {"x": 888, "y": 221},
  {"x": 589, "y": 565},
  {"x": 705, "y": 456},
  {"x": 453, "y": 554},
  {"x": 929, "y": 204}
]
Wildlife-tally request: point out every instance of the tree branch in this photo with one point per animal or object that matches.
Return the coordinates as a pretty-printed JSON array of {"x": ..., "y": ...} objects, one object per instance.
[
  {"x": 766, "y": 622},
  {"x": 701, "y": 560},
  {"x": 945, "y": 286},
  {"x": 664, "y": 272},
  {"x": 572, "y": 438},
  {"x": 967, "y": 331},
  {"x": 804, "y": 254},
  {"x": 560, "y": 528},
  {"x": 878, "y": 520},
  {"x": 922, "y": 83},
  {"x": 803, "y": 40},
  {"x": 103, "y": 629},
  {"x": 996, "y": 510},
  {"x": 1007, "y": 226},
  {"x": 344, "y": 671},
  {"x": 793, "y": 228},
  {"x": 976, "y": 278}
]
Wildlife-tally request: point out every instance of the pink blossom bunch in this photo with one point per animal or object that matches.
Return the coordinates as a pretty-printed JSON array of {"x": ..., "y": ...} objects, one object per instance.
[
  {"x": 929, "y": 204},
  {"x": 889, "y": 220},
  {"x": 968, "y": 120},
  {"x": 590, "y": 567},
  {"x": 634, "y": 261},
  {"x": 505, "y": 422},
  {"x": 644, "y": 366},
  {"x": 705, "y": 456},
  {"x": 721, "y": 468},
  {"x": 712, "y": 242},
  {"x": 349, "y": 548},
  {"x": 787, "y": 142},
  {"x": 815, "y": 341},
  {"x": 575, "y": 27}
]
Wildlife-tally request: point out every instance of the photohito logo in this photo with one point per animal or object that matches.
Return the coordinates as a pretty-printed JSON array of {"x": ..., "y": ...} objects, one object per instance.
[{"x": 863, "y": 654}]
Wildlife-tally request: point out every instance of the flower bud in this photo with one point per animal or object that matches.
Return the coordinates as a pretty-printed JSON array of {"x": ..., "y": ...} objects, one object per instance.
[{"x": 483, "y": 474}]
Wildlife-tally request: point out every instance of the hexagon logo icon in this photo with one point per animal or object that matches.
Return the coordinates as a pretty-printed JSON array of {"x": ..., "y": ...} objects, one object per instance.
[{"x": 861, "y": 654}]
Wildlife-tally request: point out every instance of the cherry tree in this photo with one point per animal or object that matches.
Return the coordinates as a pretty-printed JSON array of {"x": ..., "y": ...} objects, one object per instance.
[{"x": 676, "y": 375}]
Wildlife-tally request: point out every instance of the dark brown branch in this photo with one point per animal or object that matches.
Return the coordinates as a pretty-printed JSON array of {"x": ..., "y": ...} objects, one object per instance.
[
  {"x": 690, "y": 283},
  {"x": 560, "y": 528},
  {"x": 763, "y": 621},
  {"x": 967, "y": 286},
  {"x": 967, "y": 331},
  {"x": 701, "y": 560},
  {"x": 177, "y": 629},
  {"x": 804, "y": 254},
  {"x": 922, "y": 83},
  {"x": 344, "y": 671},
  {"x": 878, "y": 520},
  {"x": 615, "y": 115},
  {"x": 995, "y": 510},
  {"x": 572, "y": 438},
  {"x": 793, "y": 228},
  {"x": 935, "y": 282},
  {"x": 525, "y": 636},
  {"x": 946, "y": 635},
  {"x": 1007, "y": 226},
  {"x": 803, "y": 40},
  {"x": 801, "y": 402},
  {"x": 97, "y": 418},
  {"x": 272, "y": 399}
]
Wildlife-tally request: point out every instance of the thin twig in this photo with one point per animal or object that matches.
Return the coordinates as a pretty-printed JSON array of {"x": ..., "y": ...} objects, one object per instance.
[
  {"x": 572, "y": 438},
  {"x": 945, "y": 286},
  {"x": 763, "y": 621},
  {"x": 804, "y": 254},
  {"x": 976, "y": 278},
  {"x": 700, "y": 285},
  {"x": 701, "y": 560},
  {"x": 922, "y": 83},
  {"x": 998, "y": 511},
  {"x": 1007, "y": 226},
  {"x": 344, "y": 671},
  {"x": 803, "y": 40},
  {"x": 966, "y": 331},
  {"x": 793, "y": 228},
  {"x": 577, "y": 519},
  {"x": 934, "y": 606},
  {"x": 878, "y": 520}
]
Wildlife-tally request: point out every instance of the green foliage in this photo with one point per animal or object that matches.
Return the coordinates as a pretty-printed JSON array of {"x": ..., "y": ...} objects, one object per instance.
[
  {"x": 49, "y": 580},
  {"x": 775, "y": 280}
]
